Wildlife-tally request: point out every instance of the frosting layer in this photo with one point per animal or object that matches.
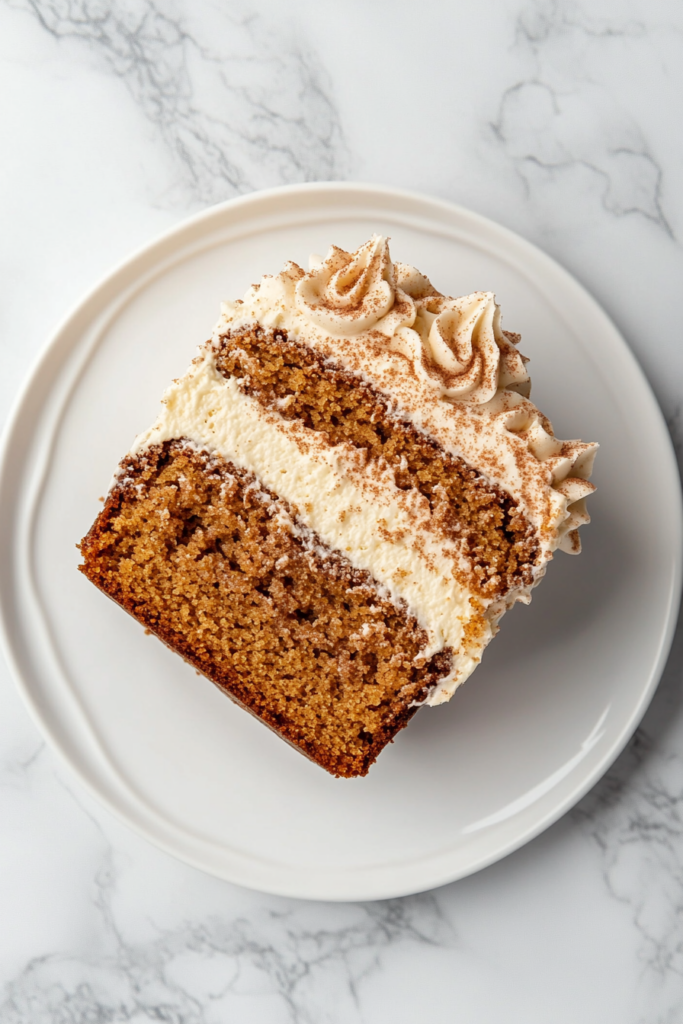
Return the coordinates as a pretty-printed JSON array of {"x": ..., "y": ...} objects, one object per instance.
[
  {"x": 445, "y": 366},
  {"x": 354, "y": 508}
]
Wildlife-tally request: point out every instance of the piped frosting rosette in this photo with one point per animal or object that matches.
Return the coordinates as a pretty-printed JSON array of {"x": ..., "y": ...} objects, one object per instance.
[
  {"x": 349, "y": 294},
  {"x": 568, "y": 464},
  {"x": 458, "y": 347}
]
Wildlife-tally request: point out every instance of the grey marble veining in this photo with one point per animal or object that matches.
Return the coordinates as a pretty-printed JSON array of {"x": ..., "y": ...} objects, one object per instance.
[
  {"x": 562, "y": 119},
  {"x": 210, "y": 968},
  {"x": 254, "y": 114},
  {"x": 635, "y": 816},
  {"x": 273, "y": 958},
  {"x": 558, "y": 118}
]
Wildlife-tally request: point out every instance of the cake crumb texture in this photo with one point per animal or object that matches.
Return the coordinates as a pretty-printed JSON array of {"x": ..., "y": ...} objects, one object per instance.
[
  {"x": 298, "y": 383},
  {"x": 218, "y": 568}
]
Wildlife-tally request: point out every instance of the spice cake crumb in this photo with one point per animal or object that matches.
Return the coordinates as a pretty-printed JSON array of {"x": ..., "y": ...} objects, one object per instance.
[{"x": 195, "y": 548}]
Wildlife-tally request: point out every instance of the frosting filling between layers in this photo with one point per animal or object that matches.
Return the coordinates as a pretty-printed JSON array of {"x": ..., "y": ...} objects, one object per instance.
[
  {"x": 498, "y": 543},
  {"x": 354, "y": 507},
  {"x": 441, "y": 367}
]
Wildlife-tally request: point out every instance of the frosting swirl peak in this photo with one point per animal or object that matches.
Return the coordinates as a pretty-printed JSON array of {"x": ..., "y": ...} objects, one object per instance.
[
  {"x": 470, "y": 352},
  {"x": 350, "y": 292}
]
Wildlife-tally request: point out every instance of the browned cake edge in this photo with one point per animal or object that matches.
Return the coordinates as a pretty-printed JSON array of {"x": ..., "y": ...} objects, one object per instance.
[{"x": 112, "y": 535}]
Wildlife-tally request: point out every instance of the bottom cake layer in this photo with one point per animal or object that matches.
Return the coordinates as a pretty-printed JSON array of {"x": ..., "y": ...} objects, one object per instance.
[{"x": 219, "y": 568}]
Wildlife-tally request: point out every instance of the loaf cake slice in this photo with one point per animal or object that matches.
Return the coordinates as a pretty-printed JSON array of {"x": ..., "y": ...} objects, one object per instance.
[{"x": 339, "y": 500}]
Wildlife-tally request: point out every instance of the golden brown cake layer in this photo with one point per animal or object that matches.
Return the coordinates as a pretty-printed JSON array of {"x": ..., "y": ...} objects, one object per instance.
[
  {"x": 219, "y": 569},
  {"x": 292, "y": 379}
]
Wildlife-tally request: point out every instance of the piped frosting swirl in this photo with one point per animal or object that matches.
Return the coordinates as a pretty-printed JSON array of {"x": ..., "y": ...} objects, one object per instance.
[
  {"x": 457, "y": 345},
  {"x": 349, "y": 292}
]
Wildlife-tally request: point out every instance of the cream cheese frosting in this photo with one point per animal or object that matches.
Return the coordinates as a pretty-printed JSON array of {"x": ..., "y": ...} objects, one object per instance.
[
  {"x": 445, "y": 364},
  {"x": 448, "y": 368},
  {"x": 349, "y": 293},
  {"x": 353, "y": 508}
]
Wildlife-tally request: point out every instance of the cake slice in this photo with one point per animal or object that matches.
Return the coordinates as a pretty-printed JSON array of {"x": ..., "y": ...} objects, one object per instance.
[{"x": 339, "y": 500}]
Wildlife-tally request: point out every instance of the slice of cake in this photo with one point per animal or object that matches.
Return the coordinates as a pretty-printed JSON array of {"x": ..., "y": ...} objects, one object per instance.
[{"x": 339, "y": 500}]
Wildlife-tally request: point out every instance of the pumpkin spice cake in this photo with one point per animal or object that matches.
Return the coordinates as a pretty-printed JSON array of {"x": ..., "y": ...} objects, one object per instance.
[{"x": 339, "y": 500}]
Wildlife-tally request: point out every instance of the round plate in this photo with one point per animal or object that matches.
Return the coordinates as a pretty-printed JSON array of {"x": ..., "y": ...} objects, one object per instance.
[{"x": 560, "y": 690}]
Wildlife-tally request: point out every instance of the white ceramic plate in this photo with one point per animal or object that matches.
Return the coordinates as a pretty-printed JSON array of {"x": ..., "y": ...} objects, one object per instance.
[{"x": 558, "y": 693}]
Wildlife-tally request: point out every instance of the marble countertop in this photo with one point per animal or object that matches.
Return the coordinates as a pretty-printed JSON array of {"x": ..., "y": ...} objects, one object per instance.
[{"x": 559, "y": 119}]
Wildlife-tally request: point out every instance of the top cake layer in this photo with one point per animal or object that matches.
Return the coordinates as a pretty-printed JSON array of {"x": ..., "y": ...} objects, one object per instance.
[
  {"x": 446, "y": 363},
  {"x": 435, "y": 461}
]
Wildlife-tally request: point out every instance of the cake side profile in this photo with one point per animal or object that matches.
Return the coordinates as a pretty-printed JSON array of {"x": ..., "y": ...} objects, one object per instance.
[{"x": 339, "y": 500}]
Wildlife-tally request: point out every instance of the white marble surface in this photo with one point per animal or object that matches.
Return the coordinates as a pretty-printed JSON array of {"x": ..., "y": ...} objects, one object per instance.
[{"x": 559, "y": 119}]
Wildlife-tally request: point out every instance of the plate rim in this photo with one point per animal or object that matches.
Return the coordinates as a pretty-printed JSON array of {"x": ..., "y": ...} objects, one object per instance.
[{"x": 671, "y": 480}]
